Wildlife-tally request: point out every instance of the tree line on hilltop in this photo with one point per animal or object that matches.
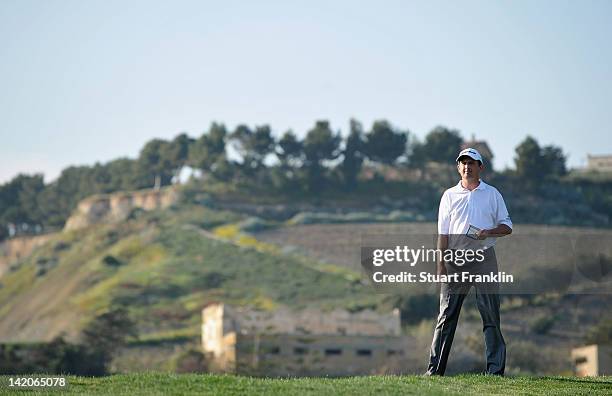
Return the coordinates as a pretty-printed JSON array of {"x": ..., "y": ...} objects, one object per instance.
[{"x": 286, "y": 164}]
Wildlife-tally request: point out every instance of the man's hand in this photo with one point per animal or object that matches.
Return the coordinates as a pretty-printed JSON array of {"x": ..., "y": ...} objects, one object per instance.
[
  {"x": 499, "y": 231},
  {"x": 483, "y": 234}
]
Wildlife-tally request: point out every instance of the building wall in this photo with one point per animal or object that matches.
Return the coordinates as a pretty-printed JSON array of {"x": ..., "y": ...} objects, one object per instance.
[
  {"x": 604, "y": 355},
  {"x": 316, "y": 355},
  {"x": 307, "y": 321},
  {"x": 592, "y": 360},
  {"x": 219, "y": 338},
  {"x": 313, "y": 321},
  {"x": 308, "y": 342},
  {"x": 585, "y": 361},
  {"x": 601, "y": 163}
]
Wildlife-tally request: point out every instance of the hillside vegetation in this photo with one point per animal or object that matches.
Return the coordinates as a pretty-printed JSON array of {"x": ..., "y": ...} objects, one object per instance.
[{"x": 163, "y": 266}]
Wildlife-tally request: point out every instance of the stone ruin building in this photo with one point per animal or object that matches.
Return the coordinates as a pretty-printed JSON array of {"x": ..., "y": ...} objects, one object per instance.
[
  {"x": 303, "y": 343},
  {"x": 592, "y": 360}
]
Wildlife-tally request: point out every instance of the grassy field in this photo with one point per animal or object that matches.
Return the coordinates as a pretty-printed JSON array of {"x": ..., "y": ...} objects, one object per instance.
[{"x": 173, "y": 384}]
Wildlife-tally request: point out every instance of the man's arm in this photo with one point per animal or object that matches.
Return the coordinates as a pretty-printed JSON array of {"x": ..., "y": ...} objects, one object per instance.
[
  {"x": 442, "y": 246},
  {"x": 502, "y": 219},
  {"x": 499, "y": 231}
]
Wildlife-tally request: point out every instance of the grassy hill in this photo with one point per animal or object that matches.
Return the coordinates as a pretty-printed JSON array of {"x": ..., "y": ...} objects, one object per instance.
[
  {"x": 188, "y": 384},
  {"x": 163, "y": 266}
]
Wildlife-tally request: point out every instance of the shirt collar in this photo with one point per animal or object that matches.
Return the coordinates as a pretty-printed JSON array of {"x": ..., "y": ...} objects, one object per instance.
[{"x": 460, "y": 188}]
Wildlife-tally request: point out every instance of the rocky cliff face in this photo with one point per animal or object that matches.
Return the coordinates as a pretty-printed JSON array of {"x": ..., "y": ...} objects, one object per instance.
[
  {"x": 15, "y": 249},
  {"x": 97, "y": 209},
  {"x": 112, "y": 208}
]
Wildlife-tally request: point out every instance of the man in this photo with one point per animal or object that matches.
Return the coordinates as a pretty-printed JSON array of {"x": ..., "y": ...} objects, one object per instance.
[{"x": 476, "y": 207}]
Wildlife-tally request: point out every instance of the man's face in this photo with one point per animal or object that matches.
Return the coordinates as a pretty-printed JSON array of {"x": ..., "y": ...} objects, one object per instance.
[{"x": 469, "y": 169}]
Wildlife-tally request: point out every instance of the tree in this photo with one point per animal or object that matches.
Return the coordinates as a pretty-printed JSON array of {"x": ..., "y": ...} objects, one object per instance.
[
  {"x": 240, "y": 140},
  {"x": 123, "y": 176},
  {"x": 320, "y": 144},
  {"x": 263, "y": 143},
  {"x": 554, "y": 161},
  {"x": 60, "y": 197},
  {"x": 441, "y": 144},
  {"x": 353, "y": 154},
  {"x": 176, "y": 154},
  {"x": 208, "y": 152},
  {"x": 107, "y": 333},
  {"x": 19, "y": 201},
  {"x": 290, "y": 153},
  {"x": 291, "y": 150},
  {"x": 535, "y": 164},
  {"x": 529, "y": 162},
  {"x": 528, "y": 158},
  {"x": 154, "y": 163},
  {"x": 384, "y": 144},
  {"x": 253, "y": 146},
  {"x": 418, "y": 156}
]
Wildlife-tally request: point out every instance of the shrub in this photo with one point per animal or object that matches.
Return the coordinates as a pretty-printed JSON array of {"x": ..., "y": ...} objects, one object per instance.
[
  {"x": 415, "y": 308},
  {"x": 189, "y": 361},
  {"x": 106, "y": 334},
  {"x": 600, "y": 333},
  {"x": 55, "y": 357},
  {"x": 542, "y": 325},
  {"x": 527, "y": 357},
  {"x": 136, "y": 213},
  {"x": 61, "y": 246},
  {"x": 111, "y": 261},
  {"x": 253, "y": 224},
  {"x": 213, "y": 279}
]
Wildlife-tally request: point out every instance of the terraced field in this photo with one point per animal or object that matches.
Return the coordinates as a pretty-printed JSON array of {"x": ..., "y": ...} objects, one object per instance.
[{"x": 533, "y": 253}]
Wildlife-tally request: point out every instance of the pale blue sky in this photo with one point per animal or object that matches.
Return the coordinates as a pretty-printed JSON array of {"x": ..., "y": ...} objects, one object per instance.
[{"x": 86, "y": 81}]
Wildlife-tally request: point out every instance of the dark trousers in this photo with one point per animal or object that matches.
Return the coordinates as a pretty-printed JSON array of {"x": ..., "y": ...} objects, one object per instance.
[{"x": 451, "y": 299}]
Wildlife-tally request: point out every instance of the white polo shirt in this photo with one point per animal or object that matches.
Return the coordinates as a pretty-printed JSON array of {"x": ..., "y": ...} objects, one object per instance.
[{"x": 483, "y": 207}]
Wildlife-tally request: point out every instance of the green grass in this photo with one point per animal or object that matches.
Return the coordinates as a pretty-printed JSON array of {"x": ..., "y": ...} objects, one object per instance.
[{"x": 175, "y": 384}]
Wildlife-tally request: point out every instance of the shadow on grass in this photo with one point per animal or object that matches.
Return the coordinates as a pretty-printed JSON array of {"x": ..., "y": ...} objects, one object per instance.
[{"x": 607, "y": 380}]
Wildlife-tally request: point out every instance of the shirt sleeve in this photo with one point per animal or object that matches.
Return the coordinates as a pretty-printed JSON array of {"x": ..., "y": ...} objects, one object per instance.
[
  {"x": 502, "y": 216},
  {"x": 444, "y": 215}
]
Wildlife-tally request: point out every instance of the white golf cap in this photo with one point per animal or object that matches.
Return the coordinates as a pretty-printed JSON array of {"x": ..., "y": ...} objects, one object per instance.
[{"x": 470, "y": 152}]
